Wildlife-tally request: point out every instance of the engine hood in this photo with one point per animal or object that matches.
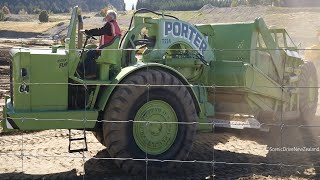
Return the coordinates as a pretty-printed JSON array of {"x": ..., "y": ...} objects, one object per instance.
[{"x": 41, "y": 51}]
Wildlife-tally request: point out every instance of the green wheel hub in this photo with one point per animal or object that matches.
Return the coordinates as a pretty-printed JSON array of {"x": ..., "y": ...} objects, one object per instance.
[{"x": 155, "y": 135}]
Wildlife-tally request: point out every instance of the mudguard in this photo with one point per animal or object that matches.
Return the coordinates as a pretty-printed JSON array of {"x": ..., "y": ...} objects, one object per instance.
[{"x": 103, "y": 99}]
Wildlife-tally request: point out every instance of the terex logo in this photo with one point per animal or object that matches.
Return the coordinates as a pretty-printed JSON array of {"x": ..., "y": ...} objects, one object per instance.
[{"x": 182, "y": 30}]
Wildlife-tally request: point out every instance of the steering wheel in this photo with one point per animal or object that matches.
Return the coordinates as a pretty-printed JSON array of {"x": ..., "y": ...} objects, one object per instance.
[{"x": 87, "y": 36}]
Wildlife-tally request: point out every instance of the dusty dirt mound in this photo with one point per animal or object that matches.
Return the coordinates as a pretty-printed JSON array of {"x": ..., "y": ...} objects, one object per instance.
[
  {"x": 237, "y": 14},
  {"x": 207, "y": 6},
  {"x": 299, "y": 22},
  {"x": 59, "y": 30}
]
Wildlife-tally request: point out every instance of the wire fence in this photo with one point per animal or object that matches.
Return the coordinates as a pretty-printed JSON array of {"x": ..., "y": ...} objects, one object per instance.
[{"x": 149, "y": 106}]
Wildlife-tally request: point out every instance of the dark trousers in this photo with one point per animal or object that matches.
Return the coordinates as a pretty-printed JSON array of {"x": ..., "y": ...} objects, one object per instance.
[{"x": 89, "y": 66}]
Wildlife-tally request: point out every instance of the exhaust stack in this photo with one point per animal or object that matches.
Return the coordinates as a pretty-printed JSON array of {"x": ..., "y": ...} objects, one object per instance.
[{"x": 80, "y": 35}]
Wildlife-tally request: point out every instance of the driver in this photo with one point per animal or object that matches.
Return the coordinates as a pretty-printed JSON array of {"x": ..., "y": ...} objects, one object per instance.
[{"x": 106, "y": 33}]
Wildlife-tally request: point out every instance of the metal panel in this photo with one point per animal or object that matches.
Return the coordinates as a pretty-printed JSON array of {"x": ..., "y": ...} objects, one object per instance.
[{"x": 49, "y": 78}]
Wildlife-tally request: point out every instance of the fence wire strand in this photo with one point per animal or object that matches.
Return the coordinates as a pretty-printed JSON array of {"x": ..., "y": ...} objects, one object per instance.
[{"x": 84, "y": 156}]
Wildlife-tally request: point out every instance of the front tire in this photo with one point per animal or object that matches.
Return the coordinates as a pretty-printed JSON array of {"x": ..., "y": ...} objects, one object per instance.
[{"x": 136, "y": 115}]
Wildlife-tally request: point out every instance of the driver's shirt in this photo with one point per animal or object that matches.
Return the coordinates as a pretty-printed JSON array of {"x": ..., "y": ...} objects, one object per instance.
[{"x": 106, "y": 33}]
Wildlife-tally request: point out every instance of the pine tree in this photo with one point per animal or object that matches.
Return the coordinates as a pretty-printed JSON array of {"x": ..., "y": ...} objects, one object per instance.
[
  {"x": 5, "y": 10},
  {"x": 59, "y": 6},
  {"x": 2, "y": 15},
  {"x": 234, "y": 3}
]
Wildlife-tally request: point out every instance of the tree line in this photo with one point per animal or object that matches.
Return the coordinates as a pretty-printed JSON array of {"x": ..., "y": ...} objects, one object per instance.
[
  {"x": 187, "y": 5},
  {"x": 58, "y": 6}
]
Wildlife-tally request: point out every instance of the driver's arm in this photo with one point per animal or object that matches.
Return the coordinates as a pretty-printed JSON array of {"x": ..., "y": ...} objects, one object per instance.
[{"x": 106, "y": 29}]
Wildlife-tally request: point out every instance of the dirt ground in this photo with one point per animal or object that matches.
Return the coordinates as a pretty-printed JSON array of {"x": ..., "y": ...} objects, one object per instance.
[
  {"x": 301, "y": 23},
  {"x": 222, "y": 154}
]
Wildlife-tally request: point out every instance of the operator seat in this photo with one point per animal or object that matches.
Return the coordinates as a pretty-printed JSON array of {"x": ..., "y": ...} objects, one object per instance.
[
  {"x": 110, "y": 52},
  {"x": 108, "y": 56},
  {"x": 109, "y": 61}
]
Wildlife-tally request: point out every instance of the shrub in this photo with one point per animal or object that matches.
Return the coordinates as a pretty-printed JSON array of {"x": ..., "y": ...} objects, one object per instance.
[
  {"x": 5, "y": 10},
  {"x": 2, "y": 15},
  {"x": 23, "y": 12},
  {"x": 251, "y": 2},
  {"x": 234, "y": 3},
  {"x": 36, "y": 11},
  {"x": 103, "y": 11},
  {"x": 277, "y": 3},
  {"x": 43, "y": 16}
]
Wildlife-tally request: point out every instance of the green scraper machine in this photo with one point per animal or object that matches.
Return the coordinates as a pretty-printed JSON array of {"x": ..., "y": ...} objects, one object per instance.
[{"x": 160, "y": 84}]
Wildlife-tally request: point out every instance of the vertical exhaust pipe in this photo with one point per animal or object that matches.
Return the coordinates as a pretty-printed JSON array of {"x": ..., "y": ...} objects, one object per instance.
[{"x": 80, "y": 35}]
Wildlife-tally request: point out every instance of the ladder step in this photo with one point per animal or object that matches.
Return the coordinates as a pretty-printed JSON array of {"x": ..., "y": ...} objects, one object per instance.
[
  {"x": 77, "y": 150},
  {"x": 77, "y": 139}
]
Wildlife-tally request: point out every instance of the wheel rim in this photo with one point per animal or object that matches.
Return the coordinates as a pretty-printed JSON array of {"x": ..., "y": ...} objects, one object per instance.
[{"x": 152, "y": 136}]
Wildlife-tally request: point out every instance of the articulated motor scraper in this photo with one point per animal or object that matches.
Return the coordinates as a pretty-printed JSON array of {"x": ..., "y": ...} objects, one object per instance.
[{"x": 159, "y": 85}]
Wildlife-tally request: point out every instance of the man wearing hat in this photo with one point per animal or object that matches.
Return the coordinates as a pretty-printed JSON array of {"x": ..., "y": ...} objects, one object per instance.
[{"x": 106, "y": 33}]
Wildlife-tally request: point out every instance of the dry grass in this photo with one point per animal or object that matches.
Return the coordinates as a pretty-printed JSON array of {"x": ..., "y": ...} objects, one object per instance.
[
  {"x": 59, "y": 17},
  {"x": 34, "y": 27}
]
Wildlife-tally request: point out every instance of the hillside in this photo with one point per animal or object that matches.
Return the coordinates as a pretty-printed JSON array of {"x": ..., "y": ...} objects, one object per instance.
[
  {"x": 299, "y": 22},
  {"x": 187, "y": 5},
  {"x": 59, "y": 6}
]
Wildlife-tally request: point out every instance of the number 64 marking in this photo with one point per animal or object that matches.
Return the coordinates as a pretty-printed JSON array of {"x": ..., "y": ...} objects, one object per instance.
[{"x": 24, "y": 88}]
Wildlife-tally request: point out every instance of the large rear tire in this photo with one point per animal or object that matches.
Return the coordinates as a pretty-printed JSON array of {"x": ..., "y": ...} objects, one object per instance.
[
  {"x": 308, "y": 91},
  {"x": 292, "y": 135},
  {"x": 154, "y": 140},
  {"x": 99, "y": 136}
]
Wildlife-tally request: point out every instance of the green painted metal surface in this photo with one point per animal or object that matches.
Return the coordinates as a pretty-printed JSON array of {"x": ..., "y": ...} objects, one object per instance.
[
  {"x": 155, "y": 127},
  {"x": 48, "y": 77},
  {"x": 171, "y": 32},
  {"x": 41, "y": 120},
  {"x": 21, "y": 99},
  {"x": 240, "y": 68},
  {"x": 109, "y": 60},
  {"x": 70, "y": 44},
  {"x": 231, "y": 42},
  {"x": 39, "y": 79},
  {"x": 207, "y": 107},
  {"x": 240, "y": 76}
]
